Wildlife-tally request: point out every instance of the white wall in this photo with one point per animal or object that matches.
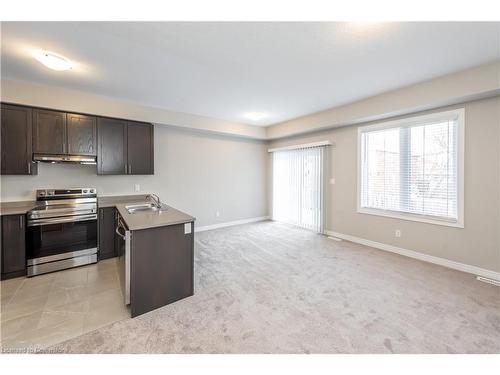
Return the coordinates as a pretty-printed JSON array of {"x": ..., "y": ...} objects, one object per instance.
[
  {"x": 195, "y": 172},
  {"x": 478, "y": 244}
]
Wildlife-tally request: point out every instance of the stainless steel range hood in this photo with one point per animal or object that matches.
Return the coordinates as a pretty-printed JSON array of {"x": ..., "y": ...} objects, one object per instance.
[{"x": 78, "y": 159}]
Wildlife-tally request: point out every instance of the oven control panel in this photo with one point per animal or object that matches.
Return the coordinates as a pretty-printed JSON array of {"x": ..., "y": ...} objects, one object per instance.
[{"x": 43, "y": 194}]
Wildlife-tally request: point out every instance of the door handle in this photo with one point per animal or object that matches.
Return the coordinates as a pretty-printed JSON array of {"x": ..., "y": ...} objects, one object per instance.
[
  {"x": 71, "y": 219},
  {"x": 117, "y": 231}
]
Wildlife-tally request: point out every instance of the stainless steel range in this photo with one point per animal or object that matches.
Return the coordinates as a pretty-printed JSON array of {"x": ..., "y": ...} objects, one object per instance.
[{"x": 62, "y": 230}]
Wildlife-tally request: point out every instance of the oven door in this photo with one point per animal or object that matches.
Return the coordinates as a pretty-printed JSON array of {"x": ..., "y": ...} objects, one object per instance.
[{"x": 59, "y": 238}]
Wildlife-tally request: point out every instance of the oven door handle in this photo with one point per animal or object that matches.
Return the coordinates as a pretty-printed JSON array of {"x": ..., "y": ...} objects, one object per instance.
[{"x": 57, "y": 220}]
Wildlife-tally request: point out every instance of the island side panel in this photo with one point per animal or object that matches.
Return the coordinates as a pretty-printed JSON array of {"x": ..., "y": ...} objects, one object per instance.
[{"x": 162, "y": 262}]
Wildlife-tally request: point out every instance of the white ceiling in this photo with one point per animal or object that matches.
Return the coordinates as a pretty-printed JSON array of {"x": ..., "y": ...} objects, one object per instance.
[{"x": 224, "y": 70}]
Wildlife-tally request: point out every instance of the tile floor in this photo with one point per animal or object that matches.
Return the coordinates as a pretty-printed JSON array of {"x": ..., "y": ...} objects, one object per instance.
[{"x": 48, "y": 309}]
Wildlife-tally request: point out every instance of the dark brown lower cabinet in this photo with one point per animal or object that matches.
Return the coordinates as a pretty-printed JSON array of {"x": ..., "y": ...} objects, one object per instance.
[
  {"x": 107, "y": 233},
  {"x": 13, "y": 246},
  {"x": 161, "y": 267}
]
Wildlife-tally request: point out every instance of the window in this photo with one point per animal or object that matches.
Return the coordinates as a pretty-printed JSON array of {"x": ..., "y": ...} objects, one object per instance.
[
  {"x": 298, "y": 187},
  {"x": 413, "y": 168}
]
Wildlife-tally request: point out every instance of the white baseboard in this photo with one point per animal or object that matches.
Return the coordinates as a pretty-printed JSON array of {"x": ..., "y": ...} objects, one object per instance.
[
  {"x": 416, "y": 255},
  {"x": 230, "y": 223}
]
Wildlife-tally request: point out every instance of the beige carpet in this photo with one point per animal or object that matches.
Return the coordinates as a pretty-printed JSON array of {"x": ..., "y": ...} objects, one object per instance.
[{"x": 273, "y": 288}]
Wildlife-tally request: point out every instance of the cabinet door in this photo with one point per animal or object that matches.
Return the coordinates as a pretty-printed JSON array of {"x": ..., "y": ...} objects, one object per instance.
[
  {"x": 16, "y": 135},
  {"x": 81, "y": 134},
  {"x": 49, "y": 132},
  {"x": 107, "y": 233},
  {"x": 111, "y": 146},
  {"x": 140, "y": 148},
  {"x": 13, "y": 246},
  {"x": 162, "y": 264}
]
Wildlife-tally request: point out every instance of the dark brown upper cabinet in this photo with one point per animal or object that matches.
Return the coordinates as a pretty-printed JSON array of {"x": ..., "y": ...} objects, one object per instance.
[
  {"x": 16, "y": 135},
  {"x": 140, "y": 148},
  {"x": 81, "y": 135},
  {"x": 63, "y": 133},
  {"x": 111, "y": 146},
  {"x": 49, "y": 132},
  {"x": 121, "y": 146},
  {"x": 13, "y": 245},
  {"x": 124, "y": 147}
]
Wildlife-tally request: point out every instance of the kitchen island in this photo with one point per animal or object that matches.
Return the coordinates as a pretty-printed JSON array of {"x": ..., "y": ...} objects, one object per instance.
[{"x": 156, "y": 255}]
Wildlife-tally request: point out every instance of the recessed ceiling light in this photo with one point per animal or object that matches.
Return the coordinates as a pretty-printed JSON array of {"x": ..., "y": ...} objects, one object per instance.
[
  {"x": 255, "y": 116},
  {"x": 53, "y": 60},
  {"x": 363, "y": 26}
]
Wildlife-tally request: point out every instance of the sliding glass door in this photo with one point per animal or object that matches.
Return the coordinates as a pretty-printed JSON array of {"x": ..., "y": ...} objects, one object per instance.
[{"x": 298, "y": 187}]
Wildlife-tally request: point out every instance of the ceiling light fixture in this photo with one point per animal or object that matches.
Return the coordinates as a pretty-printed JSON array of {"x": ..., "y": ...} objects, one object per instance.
[
  {"x": 255, "y": 116},
  {"x": 53, "y": 60}
]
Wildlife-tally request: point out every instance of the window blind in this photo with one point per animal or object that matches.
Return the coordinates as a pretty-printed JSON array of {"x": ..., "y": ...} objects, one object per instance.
[
  {"x": 412, "y": 168},
  {"x": 297, "y": 187}
]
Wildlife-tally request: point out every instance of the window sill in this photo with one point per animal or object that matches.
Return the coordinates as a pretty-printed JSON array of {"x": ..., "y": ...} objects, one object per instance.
[{"x": 409, "y": 217}]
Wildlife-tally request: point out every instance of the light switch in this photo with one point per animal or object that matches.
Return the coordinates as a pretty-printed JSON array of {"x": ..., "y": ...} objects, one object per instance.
[
  {"x": 137, "y": 187},
  {"x": 332, "y": 181}
]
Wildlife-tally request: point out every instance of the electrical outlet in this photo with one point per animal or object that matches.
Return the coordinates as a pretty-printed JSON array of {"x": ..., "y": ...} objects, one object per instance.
[
  {"x": 137, "y": 187},
  {"x": 217, "y": 213},
  {"x": 397, "y": 233}
]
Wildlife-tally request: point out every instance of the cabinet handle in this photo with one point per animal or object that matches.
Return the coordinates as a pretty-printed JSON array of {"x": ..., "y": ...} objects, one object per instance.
[
  {"x": 129, "y": 169},
  {"x": 126, "y": 168},
  {"x": 29, "y": 167},
  {"x": 21, "y": 220}
]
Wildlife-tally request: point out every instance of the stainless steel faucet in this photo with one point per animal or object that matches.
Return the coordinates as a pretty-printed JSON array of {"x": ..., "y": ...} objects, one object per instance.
[{"x": 156, "y": 200}]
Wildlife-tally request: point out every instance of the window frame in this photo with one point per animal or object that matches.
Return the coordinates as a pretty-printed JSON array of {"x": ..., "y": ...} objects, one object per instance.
[{"x": 459, "y": 114}]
